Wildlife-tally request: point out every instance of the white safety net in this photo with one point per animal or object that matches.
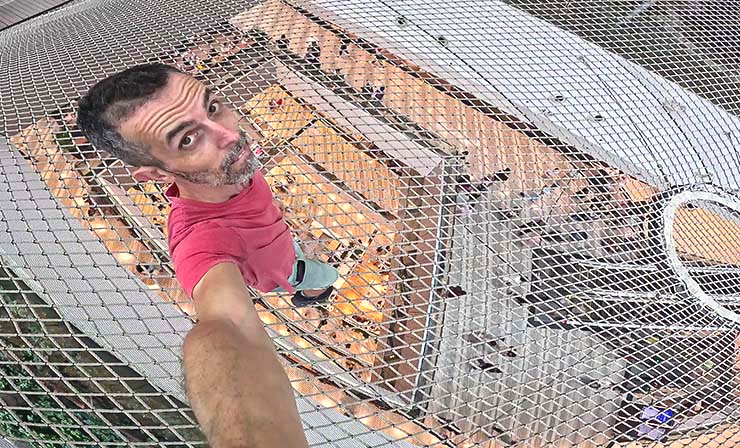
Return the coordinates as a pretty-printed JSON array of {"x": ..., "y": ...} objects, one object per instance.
[{"x": 534, "y": 207}]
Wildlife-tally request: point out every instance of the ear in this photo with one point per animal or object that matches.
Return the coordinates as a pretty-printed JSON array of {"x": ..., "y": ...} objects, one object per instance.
[{"x": 153, "y": 173}]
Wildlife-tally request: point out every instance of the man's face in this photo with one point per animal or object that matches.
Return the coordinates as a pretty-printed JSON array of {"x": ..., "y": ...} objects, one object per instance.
[{"x": 194, "y": 134}]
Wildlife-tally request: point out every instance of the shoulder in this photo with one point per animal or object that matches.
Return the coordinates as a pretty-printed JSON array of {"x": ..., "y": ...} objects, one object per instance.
[
  {"x": 208, "y": 236},
  {"x": 202, "y": 249}
]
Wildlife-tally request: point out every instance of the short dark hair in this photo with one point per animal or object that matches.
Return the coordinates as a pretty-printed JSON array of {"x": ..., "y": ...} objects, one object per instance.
[{"x": 112, "y": 100}]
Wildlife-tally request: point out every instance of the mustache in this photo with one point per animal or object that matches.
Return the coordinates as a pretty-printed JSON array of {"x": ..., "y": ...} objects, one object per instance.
[{"x": 235, "y": 151}]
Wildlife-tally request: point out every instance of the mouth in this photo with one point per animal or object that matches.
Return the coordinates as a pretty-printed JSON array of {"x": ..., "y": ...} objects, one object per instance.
[
  {"x": 243, "y": 154},
  {"x": 237, "y": 154}
]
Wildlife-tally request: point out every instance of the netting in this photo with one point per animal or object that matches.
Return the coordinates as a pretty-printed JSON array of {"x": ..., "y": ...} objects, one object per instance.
[{"x": 534, "y": 207}]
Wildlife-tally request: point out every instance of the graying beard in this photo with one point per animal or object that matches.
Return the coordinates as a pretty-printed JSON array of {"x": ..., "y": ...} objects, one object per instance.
[
  {"x": 209, "y": 178},
  {"x": 234, "y": 153},
  {"x": 226, "y": 177},
  {"x": 251, "y": 166}
]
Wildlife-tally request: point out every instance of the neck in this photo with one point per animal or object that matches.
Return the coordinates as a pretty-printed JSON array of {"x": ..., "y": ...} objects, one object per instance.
[{"x": 208, "y": 193}]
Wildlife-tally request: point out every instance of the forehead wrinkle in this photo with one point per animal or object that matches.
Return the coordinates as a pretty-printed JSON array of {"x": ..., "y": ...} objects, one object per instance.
[
  {"x": 157, "y": 121},
  {"x": 162, "y": 118},
  {"x": 144, "y": 123}
]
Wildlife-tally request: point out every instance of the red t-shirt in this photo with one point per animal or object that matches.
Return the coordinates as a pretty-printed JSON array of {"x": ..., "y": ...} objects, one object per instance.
[{"x": 247, "y": 230}]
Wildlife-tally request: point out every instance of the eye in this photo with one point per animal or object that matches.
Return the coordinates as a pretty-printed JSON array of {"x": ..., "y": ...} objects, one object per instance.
[
  {"x": 187, "y": 141},
  {"x": 214, "y": 108}
]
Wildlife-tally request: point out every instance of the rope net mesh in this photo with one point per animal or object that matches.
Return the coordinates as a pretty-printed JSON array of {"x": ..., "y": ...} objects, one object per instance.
[{"x": 533, "y": 206}]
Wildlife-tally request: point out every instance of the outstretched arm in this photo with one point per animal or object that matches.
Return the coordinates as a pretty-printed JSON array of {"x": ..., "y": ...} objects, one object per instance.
[{"x": 237, "y": 388}]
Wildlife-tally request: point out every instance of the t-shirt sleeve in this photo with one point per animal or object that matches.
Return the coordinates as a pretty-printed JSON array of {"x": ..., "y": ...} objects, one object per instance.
[{"x": 201, "y": 250}]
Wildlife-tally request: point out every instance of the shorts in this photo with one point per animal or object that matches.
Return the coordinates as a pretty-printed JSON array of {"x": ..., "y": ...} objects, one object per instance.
[{"x": 316, "y": 274}]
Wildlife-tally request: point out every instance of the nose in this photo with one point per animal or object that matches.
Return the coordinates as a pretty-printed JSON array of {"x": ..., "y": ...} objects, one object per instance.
[{"x": 226, "y": 137}]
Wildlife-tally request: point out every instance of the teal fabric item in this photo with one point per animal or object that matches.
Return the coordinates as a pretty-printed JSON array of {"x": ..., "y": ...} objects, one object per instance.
[{"x": 317, "y": 275}]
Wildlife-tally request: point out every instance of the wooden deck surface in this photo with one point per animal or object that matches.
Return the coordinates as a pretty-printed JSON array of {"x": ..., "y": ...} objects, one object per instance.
[{"x": 15, "y": 11}]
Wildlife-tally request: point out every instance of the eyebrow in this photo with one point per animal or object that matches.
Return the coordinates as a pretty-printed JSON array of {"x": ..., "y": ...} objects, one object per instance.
[
  {"x": 207, "y": 94},
  {"x": 207, "y": 97}
]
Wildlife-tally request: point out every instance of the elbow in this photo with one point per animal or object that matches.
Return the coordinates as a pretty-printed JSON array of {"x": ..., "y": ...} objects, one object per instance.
[{"x": 215, "y": 334}]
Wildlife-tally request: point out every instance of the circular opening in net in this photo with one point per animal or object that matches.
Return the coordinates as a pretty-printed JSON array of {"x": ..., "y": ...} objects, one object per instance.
[{"x": 702, "y": 234}]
